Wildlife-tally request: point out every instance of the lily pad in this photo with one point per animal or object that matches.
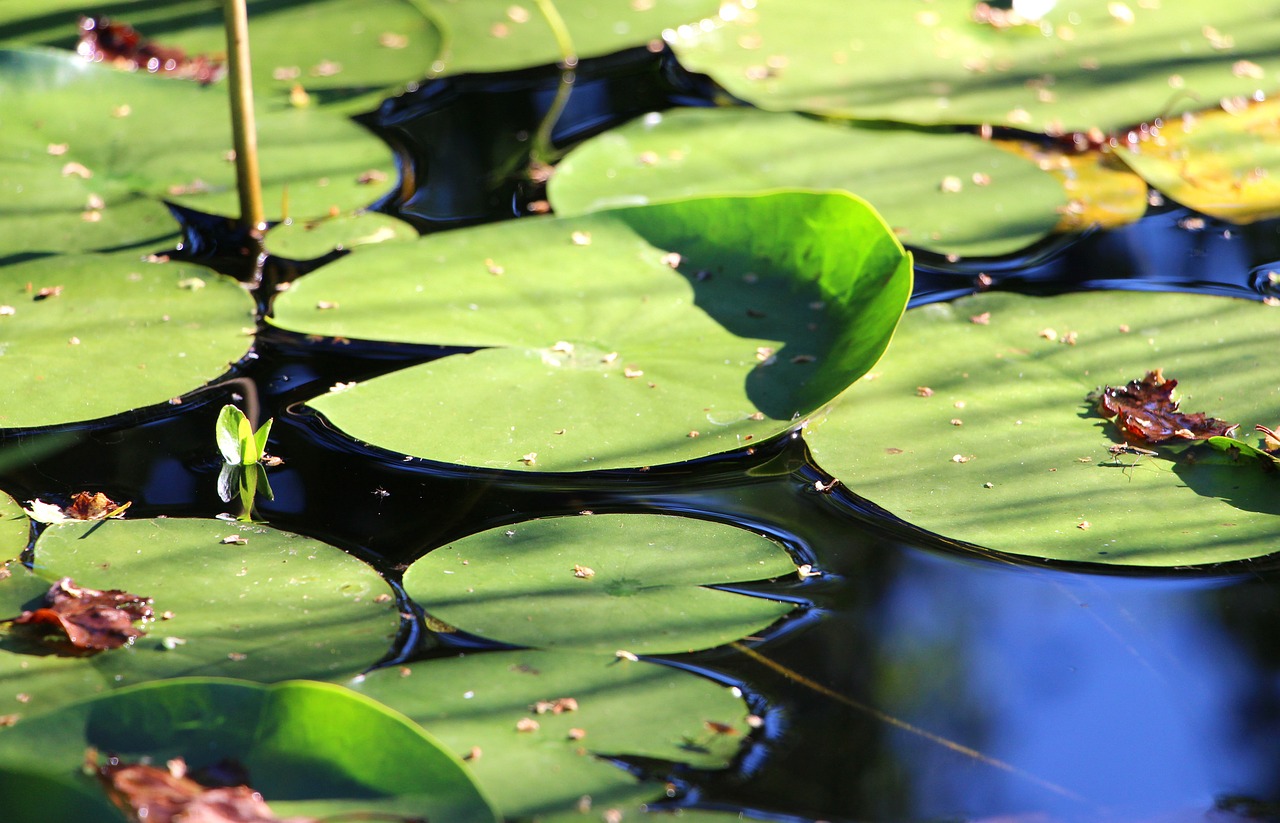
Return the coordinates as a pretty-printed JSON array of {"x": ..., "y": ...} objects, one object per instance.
[
  {"x": 1103, "y": 192},
  {"x": 305, "y": 240},
  {"x": 474, "y": 702},
  {"x": 500, "y": 35},
  {"x": 344, "y": 60},
  {"x": 603, "y": 583},
  {"x": 280, "y": 606},
  {"x": 604, "y": 355},
  {"x": 14, "y": 527},
  {"x": 1006, "y": 453},
  {"x": 948, "y": 193},
  {"x": 116, "y": 137},
  {"x": 1084, "y": 65},
  {"x": 112, "y": 333},
  {"x": 1222, "y": 163},
  {"x": 309, "y": 748}
]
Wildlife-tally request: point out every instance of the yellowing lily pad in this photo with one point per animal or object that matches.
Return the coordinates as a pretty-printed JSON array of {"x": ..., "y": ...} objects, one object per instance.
[{"x": 1222, "y": 162}]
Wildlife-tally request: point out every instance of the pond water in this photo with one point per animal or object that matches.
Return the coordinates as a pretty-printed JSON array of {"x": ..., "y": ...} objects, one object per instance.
[{"x": 922, "y": 679}]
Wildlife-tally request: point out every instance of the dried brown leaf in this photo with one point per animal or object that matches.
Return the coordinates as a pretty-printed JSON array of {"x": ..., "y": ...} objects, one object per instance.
[
  {"x": 88, "y": 618},
  {"x": 1146, "y": 413}
]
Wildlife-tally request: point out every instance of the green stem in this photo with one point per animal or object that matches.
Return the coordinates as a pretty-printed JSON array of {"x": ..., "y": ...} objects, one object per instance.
[
  {"x": 243, "y": 130},
  {"x": 543, "y": 151}
]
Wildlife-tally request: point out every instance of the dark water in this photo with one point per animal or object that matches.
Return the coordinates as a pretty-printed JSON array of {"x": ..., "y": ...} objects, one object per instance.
[{"x": 921, "y": 679}]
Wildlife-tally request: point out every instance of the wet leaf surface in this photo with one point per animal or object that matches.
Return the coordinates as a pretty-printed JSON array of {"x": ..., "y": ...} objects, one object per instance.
[
  {"x": 1001, "y": 203},
  {"x": 1146, "y": 413},
  {"x": 648, "y": 593},
  {"x": 473, "y": 703},
  {"x": 87, "y": 619},
  {"x": 1035, "y": 455},
  {"x": 720, "y": 316},
  {"x": 1224, "y": 162},
  {"x": 312, "y": 749},
  {"x": 122, "y": 334},
  {"x": 1084, "y": 68},
  {"x": 274, "y": 607}
]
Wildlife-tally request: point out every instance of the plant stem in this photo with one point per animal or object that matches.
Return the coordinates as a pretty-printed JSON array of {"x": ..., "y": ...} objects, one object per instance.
[
  {"x": 543, "y": 151},
  {"x": 243, "y": 130}
]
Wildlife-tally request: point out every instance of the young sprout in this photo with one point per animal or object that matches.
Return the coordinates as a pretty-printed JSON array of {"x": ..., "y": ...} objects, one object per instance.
[
  {"x": 243, "y": 451},
  {"x": 239, "y": 443}
]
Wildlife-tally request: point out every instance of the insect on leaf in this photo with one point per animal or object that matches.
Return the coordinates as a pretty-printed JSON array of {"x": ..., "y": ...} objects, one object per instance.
[{"x": 1145, "y": 412}]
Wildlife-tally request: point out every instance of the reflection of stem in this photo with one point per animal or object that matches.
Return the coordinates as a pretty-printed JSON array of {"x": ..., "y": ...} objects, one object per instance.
[
  {"x": 243, "y": 130},
  {"x": 904, "y": 725},
  {"x": 543, "y": 152}
]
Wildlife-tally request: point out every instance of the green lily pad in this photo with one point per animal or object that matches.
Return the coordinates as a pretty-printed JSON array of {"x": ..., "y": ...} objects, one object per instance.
[
  {"x": 604, "y": 355},
  {"x": 345, "y": 60},
  {"x": 623, "y": 708},
  {"x": 948, "y": 193},
  {"x": 306, "y": 240},
  {"x": 603, "y": 583},
  {"x": 1006, "y": 453},
  {"x": 117, "y": 138},
  {"x": 281, "y": 606},
  {"x": 120, "y": 334},
  {"x": 14, "y": 528},
  {"x": 500, "y": 35},
  {"x": 1220, "y": 163},
  {"x": 31, "y": 797},
  {"x": 309, "y": 748},
  {"x": 1086, "y": 64}
]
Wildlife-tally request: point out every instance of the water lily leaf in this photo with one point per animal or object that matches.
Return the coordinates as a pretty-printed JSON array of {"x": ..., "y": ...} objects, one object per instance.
[
  {"x": 602, "y": 583},
  {"x": 981, "y": 431},
  {"x": 113, "y": 333},
  {"x": 309, "y": 748},
  {"x": 14, "y": 528},
  {"x": 279, "y": 606},
  {"x": 1085, "y": 65},
  {"x": 604, "y": 355},
  {"x": 1102, "y": 192},
  {"x": 343, "y": 60},
  {"x": 32, "y": 797},
  {"x": 306, "y": 240},
  {"x": 115, "y": 134},
  {"x": 1222, "y": 162},
  {"x": 500, "y": 35},
  {"x": 474, "y": 703},
  {"x": 948, "y": 193}
]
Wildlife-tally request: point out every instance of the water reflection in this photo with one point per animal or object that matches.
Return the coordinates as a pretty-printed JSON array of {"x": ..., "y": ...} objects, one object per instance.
[{"x": 1124, "y": 691}]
